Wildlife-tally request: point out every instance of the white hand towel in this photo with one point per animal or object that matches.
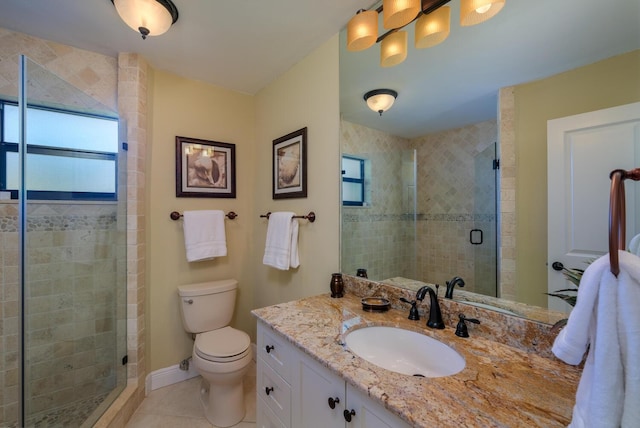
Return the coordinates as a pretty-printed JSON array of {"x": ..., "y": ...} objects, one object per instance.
[
  {"x": 607, "y": 321},
  {"x": 634, "y": 245},
  {"x": 281, "y": 248},
  {"x": 204, "y": 235}
]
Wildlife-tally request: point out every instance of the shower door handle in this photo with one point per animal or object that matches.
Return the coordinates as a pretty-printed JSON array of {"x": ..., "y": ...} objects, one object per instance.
[{"x": 475, "y": 236}]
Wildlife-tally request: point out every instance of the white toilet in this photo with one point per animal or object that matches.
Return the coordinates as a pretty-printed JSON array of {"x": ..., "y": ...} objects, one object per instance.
[{"x": 221, "y": 354}]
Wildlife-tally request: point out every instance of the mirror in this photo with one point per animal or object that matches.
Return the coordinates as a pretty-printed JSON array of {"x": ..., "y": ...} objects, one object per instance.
[{"x": 462, "y": 97}]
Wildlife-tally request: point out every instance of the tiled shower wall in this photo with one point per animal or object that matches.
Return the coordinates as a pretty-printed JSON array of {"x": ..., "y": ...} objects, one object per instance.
[
  {"x": 71, "y": 324},
  {"x": 456, "y": 193},
  {"x": 380, "y": 236},
  {"x": 454, "y": 182}
]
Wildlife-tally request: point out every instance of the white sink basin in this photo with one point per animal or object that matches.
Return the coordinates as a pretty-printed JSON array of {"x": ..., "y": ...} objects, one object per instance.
[{"x": 404, "y": 351}]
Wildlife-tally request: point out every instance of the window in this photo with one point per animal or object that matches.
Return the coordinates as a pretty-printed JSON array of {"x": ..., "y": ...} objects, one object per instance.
[
  {"x": 352, "y": 181},
  {"x": 70, "y": 156}
]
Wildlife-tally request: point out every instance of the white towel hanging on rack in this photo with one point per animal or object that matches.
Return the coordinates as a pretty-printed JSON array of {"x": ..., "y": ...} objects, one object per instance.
[
  {"x": 204, "y": 235},
  {"x": 281, "y": 248}
]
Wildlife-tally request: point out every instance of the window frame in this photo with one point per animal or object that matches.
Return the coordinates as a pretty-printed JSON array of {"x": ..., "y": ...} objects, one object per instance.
[
  {"x": 9, "y": 147},
  {"x": 361, "y": 181}
]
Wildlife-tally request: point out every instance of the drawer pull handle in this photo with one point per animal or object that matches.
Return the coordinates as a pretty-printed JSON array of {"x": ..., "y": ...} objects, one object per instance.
[
  {"x": 348, "y": 414},
  {"x": 333, "y": 402},
  {"x": 269, "y": 348},
  {"x": 268, "y": 390}
]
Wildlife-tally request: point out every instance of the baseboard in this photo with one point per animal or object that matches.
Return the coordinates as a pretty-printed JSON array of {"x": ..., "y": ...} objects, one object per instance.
[{"x": 170, "y": 375}]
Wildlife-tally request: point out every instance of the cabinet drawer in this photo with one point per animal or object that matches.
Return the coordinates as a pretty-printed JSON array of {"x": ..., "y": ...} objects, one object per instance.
[
  {"x": 275, "y": 351},
  {"x": 274, "y": 391}
]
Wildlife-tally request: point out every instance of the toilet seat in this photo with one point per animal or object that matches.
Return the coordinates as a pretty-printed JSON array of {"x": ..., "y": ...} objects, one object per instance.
[{"x": 222, "y": 345}]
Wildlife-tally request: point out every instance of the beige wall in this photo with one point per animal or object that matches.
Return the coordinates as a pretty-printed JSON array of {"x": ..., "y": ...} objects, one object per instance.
[
  {"x": 306, "y": 95},
  {"x": 188, "y": 108},
  {"x": 608, "y": 83},
  {"x": 194, "y": 109}
]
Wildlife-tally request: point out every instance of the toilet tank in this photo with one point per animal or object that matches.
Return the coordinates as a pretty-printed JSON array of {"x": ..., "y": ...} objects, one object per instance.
[{"x": 208, "y": 305}]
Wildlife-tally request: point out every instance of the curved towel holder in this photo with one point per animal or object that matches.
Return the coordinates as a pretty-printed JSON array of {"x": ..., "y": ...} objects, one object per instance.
[{"x": 617, "y": 216}]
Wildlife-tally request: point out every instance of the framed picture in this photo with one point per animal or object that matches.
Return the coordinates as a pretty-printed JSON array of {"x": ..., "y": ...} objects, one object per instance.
[
  {"x": 290, "y": 165},
  {"x": 205, "y": 169}
]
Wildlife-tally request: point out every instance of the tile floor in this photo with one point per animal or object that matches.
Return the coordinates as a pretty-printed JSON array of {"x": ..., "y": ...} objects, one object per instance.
[{"x": 178, "y": 405}]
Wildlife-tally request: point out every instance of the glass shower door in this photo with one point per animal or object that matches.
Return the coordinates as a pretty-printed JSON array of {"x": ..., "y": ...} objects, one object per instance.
[
  {"x": 72, "y": 253},
  {"x": 483, "y": 236}
]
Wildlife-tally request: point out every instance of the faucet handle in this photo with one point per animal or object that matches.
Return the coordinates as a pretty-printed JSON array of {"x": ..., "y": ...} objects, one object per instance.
[
  {"x": 461, "y": 328},
  {"x": 413, "y": 312}
]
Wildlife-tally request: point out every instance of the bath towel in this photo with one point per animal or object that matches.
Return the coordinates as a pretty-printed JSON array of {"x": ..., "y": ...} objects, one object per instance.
[
  {"x": 281, "y": 248},
  {"x": 606, "y": 322},
  {"x": 204, "y": 235},
  {"x": 634, "y": 245}
]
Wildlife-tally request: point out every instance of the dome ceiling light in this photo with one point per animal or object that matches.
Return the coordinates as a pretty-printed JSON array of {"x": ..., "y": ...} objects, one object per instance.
[
  {"x": 432, "y": 25},
  {"x": 148, "y": 17},
  {"x": 380, "y": 100}
]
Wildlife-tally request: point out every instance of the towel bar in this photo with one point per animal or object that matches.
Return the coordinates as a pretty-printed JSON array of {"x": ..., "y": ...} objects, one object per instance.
[
  {"x": 311, "y": 216},
  {"x": 175, "y": 215}
]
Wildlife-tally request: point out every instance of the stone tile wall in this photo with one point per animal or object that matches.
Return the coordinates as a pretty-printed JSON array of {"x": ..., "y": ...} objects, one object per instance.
[
  {"x": 380, "y": 236},
  {"x": 507, "y": 249},
  {"x": 456, "y": 193},
  {"x": 71, "y": 307}
]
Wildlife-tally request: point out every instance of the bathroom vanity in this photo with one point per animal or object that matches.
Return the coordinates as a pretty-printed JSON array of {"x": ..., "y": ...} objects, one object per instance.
[{"x": 307, "y": 377}]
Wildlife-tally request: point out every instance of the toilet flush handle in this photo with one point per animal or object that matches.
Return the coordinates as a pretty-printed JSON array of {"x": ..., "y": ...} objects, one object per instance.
[{"x": 189, "y": 301}]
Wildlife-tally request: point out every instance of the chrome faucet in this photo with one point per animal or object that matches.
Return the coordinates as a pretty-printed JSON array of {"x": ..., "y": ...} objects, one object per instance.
[
  {"x": 435, "y": 316},
  {"x": 451, "y": 285}
]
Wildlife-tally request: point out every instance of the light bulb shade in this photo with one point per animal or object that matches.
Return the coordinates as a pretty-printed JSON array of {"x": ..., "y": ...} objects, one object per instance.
[
  {"x": 380, "y": 100},
  {"x": 393, "y": 49},
  {"x": 474, "y": 12},
  {"x": 433, "y": 28},
  {"x": 362, "y": 30},
  {"x": 398, "y": 13},
  {"x": 156, "y": 16}
]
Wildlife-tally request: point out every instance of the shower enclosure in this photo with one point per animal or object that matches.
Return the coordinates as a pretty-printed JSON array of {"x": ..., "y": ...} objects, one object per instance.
[
  {"x": 63, "y": 254},
  {"x": 429, "y": 210}
]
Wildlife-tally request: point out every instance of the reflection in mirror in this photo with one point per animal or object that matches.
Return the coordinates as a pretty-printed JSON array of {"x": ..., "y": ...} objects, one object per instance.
[
  {"x": 485, "y": 93},
  {"x": 429, "y": 208}
]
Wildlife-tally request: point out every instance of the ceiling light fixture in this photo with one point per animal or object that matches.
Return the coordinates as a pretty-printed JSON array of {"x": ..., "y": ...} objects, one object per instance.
[
  {"x": 380, "y": 100},
  {"x": 432, "y": 24},
  {"x": 148, "y": 17}
]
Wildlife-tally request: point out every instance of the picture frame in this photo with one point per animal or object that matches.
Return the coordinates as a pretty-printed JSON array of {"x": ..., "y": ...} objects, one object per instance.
[
  {"x": 205, "y": 169},
  {"x": 290, "y": 165}
]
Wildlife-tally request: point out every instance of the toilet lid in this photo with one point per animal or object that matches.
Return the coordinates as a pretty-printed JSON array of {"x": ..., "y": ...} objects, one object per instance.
[{"x": 224, "y": 344}]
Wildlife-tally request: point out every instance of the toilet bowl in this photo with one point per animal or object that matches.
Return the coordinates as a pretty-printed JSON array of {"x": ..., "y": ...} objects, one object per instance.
[
  {"x": 222, "y": 368},
  {"x": 221, "y": 354}
]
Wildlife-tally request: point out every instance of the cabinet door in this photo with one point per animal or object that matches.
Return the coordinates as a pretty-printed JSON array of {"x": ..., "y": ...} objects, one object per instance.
[
  {"x": 315, "y": 386},
  {"x": 265, "y": 417},
  {"x": 369, "y": 414}
]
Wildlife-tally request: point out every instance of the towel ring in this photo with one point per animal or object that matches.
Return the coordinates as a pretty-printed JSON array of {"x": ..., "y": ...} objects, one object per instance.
[{"x": 617, "y": 214}]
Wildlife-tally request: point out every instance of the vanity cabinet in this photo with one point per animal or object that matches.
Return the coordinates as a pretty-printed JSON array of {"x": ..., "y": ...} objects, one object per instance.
[{"x": 295, "y": 391}]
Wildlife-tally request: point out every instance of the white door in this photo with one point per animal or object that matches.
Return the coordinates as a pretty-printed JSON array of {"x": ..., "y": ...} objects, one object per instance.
[{"x": 582, "y": 151}]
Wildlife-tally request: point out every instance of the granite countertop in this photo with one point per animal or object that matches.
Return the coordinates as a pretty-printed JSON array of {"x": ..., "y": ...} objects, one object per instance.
[{"x": 501, "y": 386}]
